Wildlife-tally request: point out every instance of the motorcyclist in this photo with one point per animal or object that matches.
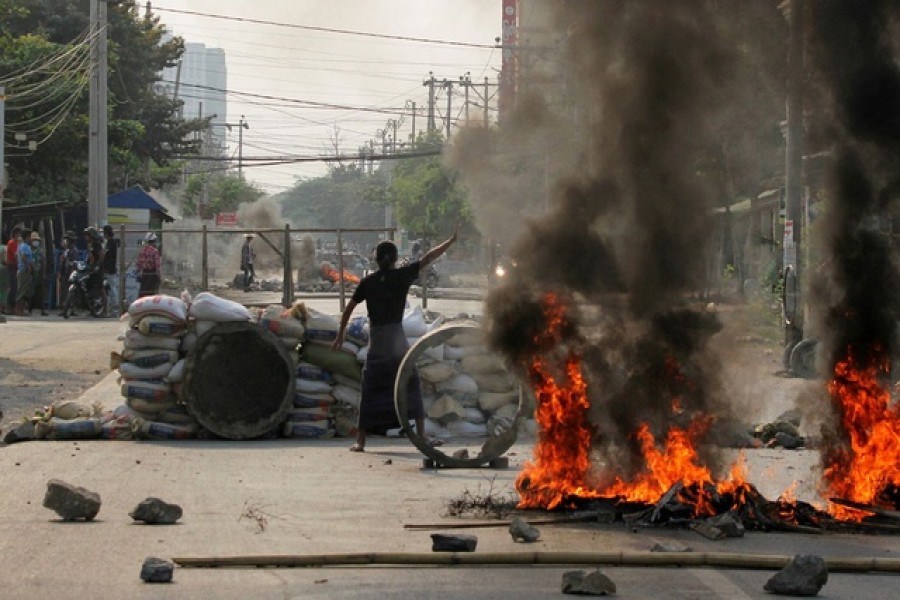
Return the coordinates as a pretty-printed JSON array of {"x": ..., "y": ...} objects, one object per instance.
[{"x": 95, "y": 257}]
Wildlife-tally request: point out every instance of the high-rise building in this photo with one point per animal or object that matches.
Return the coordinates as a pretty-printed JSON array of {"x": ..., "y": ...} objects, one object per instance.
[{"x": 201, "y": 81}]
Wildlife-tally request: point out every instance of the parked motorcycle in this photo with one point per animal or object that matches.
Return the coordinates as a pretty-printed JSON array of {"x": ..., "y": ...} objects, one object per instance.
[{"x": 85, "y": 289}]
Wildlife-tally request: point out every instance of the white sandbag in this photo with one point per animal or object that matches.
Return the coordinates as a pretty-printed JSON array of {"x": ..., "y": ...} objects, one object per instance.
[
  {"x": 201, "y": 326},
  {"x": 70, "y": 409},
  {"x": 349, "y": 348},
  {"x": 320, "y": 327},
  {"x": 159, "y": 304},
  {"x": 312, "y": 386},
  {"x": 461, "y": 382},
  {"x": 435, "y": 429},
  {"x": 176, "y": 414},
  {"x": 156, "y": 430},
  {"x": 150, "y": 357},
  {"x": 309, "y": 414},
  {"x": 346, "y": 394},
  {"x": 469, "y": 336},
  {"x": 474, "y": 415},
  {"x": 414, "y": 325},
  {"x": 159, "y": 325},
  {"x": 446, "y": 409},
  {"x": 177, "y": 373},
  {"x": 438, "y": 321},
  {"x": 494, "y": 381},
  {"x": 154, "y": 391},
  {"x": 432, "y": 352},
  {"x": 130, "y": 371},
  {"x": 436, "y": 372},
  {"x": 481, "y": 363},
  {"x": 357, "y": 330},
  {"x": 491, "y": 401},
  {"x": 347, "y": 381},
  {"x": 72, "y": 429},
  {"x": 149, "y": 408},
  {"x": 313, "y": 372},
  {"x": 464, "y": 429},
  {"x": 207, "y": 306},
  {"x": 281, "y": 321},
  {"x": 362, "y": 354},
  {"x": 135, "y": 340},
  {"x": 313, "y": 400}
]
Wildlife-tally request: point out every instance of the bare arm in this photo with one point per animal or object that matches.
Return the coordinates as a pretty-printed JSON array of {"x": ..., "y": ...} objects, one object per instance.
[
  {"x": 435, "y": 252},
  {"x": 339, "y": 340}
]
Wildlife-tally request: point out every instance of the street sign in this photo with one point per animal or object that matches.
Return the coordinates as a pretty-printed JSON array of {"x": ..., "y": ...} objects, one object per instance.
[{"x": 228, "y": 219}]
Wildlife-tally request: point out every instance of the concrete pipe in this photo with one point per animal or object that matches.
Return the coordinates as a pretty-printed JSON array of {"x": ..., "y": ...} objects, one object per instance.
[
  {"x": 496, "y": 444},
  {"x": 239, "y": 381}
]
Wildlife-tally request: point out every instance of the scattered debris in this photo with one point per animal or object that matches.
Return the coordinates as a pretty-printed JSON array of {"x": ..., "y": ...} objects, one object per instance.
[
  {"x": 24, "y": 432},
  {"x": 728, "y": 524},
  {"x": 708, "y": 531},
  {"x": 587, "y": 583},
  {"x": 71, "y": 502},
  {"x": 256, "y": 514},
  {"x": 804, "y": 575},
  {"x": 155, "y": 511},
  {"x": 460, "y": 542},
  {"x": 490, "y": 504},
  {"x": 520, "y": 530},
  {"x": 157, "y": 570}
]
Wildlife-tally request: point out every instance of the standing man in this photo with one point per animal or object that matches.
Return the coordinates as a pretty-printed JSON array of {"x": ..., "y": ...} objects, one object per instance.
[
  {"x": 68, "y": 255},
  {"x": 12, "y": 266},
  {"x": 39, "y": 272},
  {"x": 247, "y": 256},
  {"x": 148, "y": 264},
  {"x": 110, "y": 272},
  {"x": 24, "y": 274}
]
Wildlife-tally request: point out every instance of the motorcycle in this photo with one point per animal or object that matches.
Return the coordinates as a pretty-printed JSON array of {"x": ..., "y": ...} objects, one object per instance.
[
  {"x": 85, "y": 291},
  {"x": 432, "y": 278},
  {"x": 500, "y": 271}
]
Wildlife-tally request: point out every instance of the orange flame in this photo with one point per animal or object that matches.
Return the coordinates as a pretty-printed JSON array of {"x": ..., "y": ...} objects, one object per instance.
[
  {"x": 333, "y": 275},
  {"x": 871, "y": 462}
]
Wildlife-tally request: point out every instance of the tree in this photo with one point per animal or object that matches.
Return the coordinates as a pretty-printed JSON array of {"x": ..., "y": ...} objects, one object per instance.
[
  {"x": 206, "y": 195},
  {"x": 425, "y": 195},
  {"x": 44, "y": 64}
]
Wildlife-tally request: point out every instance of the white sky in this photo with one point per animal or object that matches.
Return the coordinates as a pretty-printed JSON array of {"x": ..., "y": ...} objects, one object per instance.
[{"x": 336, "y": 68}]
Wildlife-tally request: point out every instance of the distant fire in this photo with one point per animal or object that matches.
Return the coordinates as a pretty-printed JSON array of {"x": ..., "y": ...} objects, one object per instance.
[
  {"x": 334, "y": 276},
  {"x": 869, "y": 463}
]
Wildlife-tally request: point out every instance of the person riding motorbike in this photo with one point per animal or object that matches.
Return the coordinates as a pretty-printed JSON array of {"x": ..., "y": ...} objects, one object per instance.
[{"x": 95, "y": 257}]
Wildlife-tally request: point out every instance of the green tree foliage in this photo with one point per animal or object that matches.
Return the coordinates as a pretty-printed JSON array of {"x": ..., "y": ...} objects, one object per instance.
[
  {"x": 426, "y": 198},
  {"x": 206, "y": 195},
  {"x": 44, "y": 64}
]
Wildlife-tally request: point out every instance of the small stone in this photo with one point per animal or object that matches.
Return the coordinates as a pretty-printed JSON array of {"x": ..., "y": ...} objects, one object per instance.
[
  {"x": 670, "y": 547},
  {"x": 157, "y": 570},
  {"x": 587, "y": 583},
  {"x": 461, "y": 454},
  {"x": 156, "y": 511},
  {"x": 388, "y": 462},
  {"x": 708, "y": 531},
  {"x": 441, "y": 542},
  {"x": 520, "y": 530},
  {"x": 804, "y": 575},
  {"x": 71, "y": 502}
]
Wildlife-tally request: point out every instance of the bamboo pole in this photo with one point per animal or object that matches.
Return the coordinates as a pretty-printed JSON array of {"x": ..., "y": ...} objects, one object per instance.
[{"x": 726, "y": 560}]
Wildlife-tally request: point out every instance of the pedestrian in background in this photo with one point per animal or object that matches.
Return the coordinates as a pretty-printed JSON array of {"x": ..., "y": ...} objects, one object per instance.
[
  {"x": 24, "y": 274},
  {"x": 110, "y": 272},
  {"x": 39, "y": 274},
  {"x": 68, "y": 256},
  {"x": 10, "y": 259},
  {"x": 247, "y": 256},
  {"x": 384, "y": 293},
  {"x": 149, "y": 264}
]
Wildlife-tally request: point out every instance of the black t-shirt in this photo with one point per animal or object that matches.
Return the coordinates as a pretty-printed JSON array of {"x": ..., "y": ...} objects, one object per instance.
[
  {"x": 110, "y": 261},
  {"x": 384, "y": 293}
]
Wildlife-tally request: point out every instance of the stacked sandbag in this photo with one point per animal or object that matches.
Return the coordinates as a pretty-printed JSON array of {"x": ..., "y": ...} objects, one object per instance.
[
  {"x": 312, "y": 413},
  {"x": 150, "y": 365},
  {"x": 68, "y": 420},
  {"x": 286, "y": 323},
  {"x": 467, "y": 390}
]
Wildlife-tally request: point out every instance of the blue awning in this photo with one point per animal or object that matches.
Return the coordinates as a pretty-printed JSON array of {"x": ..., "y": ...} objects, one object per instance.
[{"x": 136, "y": 197}]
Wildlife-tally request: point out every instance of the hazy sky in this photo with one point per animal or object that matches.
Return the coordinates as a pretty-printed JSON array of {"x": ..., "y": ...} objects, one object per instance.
[{"x": 356, "y": 72}]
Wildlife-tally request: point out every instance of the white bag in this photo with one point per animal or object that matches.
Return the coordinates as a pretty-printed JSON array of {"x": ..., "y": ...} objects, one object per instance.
[
  {"x": 160, "y": 304},
  {"x": 207, "y": 306}
]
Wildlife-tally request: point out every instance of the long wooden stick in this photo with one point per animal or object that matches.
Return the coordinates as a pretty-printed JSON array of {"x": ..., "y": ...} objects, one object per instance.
[
  {"x": 881, "y": 512},
  {"x": 632, "y": 559}
]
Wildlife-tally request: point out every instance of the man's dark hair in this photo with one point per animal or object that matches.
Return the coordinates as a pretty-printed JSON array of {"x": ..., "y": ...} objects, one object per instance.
[{"x": 385, "y": 254}]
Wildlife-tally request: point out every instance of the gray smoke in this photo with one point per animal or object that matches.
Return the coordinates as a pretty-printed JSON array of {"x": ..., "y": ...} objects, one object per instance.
[{"x": 619, "y": 233}]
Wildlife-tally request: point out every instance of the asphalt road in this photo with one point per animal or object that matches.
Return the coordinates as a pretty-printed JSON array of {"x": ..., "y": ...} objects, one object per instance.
[{"x": 314, "y": 497}]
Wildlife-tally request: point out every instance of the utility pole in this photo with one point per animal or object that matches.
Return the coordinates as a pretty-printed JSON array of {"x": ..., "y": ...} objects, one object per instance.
[
  {"x": 793, "y": 224},
  {"x": 430, "y": 84},
  {"x": 466, "y": 82},
  {"x": 98, "y": 187},
  {"x": 449, "y": 86},
  {"x": 242, "y": 125},
  {"x": 412, "y": 105}
]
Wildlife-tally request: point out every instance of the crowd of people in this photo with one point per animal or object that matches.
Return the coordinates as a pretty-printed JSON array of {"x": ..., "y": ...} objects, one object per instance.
[{"x": 28, "y": 269}]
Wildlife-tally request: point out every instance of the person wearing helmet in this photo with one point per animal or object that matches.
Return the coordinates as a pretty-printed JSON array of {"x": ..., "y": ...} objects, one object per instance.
[
  {"x": 95, "y": 256},
  {"x": 247, "y": 256},
  {"x": 149, "y": 263},
  {"x": 110, "y": 272}
]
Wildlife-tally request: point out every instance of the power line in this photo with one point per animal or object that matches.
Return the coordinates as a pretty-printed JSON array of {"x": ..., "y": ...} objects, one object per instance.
[{"x": 326, "y": 29}]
